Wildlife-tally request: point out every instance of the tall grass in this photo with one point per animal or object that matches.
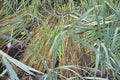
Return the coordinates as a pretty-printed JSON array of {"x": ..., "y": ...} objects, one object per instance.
[{"x": 64, "y": 40}]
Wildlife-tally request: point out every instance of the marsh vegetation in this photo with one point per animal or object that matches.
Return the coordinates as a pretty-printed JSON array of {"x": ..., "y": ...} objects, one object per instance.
[{"x": 60, "y": 39}]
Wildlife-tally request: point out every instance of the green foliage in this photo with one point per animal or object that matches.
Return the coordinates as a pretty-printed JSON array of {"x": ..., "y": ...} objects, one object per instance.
[{"x": 64, "y": 39}]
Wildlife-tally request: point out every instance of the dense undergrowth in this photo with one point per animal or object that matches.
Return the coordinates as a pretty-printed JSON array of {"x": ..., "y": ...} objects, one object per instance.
[{"x": 60, "y": 39}]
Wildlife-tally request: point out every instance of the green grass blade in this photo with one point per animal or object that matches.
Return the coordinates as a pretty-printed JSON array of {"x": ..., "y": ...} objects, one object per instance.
[
  {"x": 86, "y": 14},
  {"x": 97, "y": 78},
  {"x": 114, "y": 39},
  {"x": 23, "y": 66},
  {"x": 8, "y": 38},
  {"x": 13, "y": 75},
  {"x": 56, "y": 46},
  {"x": 98, "y": 23},
  {"x": 96, "y": 64},
  {"x": 85, "y": 44},
  {"x": 106, "y": 53}
]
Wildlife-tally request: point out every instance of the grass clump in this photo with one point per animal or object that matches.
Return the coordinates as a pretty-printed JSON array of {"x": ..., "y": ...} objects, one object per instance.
[{"x": 63, "y": 40}]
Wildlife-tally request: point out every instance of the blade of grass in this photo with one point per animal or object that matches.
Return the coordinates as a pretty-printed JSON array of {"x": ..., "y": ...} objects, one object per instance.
[
  {"x": 106, "y": 53},
  {"x": 96, "y": 78},
  {"x": 85, "y": 14},
  {"x": 76, "y": 38},
  {"x": 13, "y": 75},
  {"x": 97, "y": 61},
  {"x": 34, "y": 52},
  {"x": 39, "y": 56},
  {"x": 114, "y": 39},
  {"x": 8, "y": 38},
  {"x": 98, "y": 23},
  {"x": 56, "y": 45},
  {"x": 20, "y": 65},
  {"x": 92, "y": 48}
]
